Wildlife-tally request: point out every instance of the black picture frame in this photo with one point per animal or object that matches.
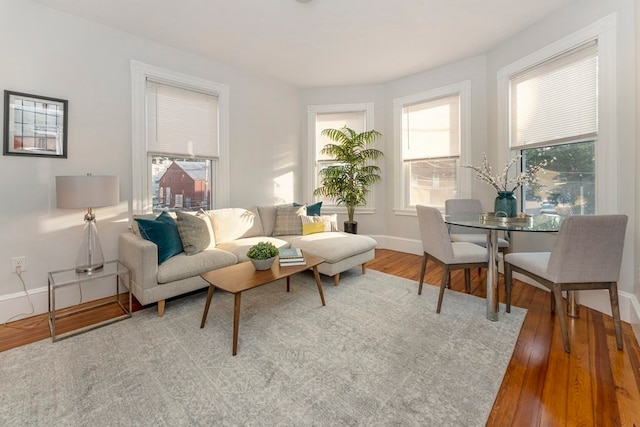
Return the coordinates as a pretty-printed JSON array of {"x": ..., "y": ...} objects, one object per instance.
[{"x": 34, "y": 125}]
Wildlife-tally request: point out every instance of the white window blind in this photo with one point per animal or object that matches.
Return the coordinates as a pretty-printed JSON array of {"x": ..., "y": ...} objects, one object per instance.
[
  {"x": 556, "y": 101},
  {"x": 181, "y": 121},
  {"x": 431, "y": 129}
]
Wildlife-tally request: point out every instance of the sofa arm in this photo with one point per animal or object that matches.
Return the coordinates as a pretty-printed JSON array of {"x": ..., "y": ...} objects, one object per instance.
[{"x": 140, "y": 256}]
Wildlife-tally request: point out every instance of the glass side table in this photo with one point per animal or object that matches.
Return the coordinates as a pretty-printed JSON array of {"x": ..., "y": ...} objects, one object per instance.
[{"x": 64, "y": 278}]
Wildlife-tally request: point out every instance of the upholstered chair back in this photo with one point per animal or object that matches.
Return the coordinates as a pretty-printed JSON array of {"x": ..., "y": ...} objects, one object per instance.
[
  {"x": 588, "y": 249},
  {"x": 453, "y": 206},
  {"x": 434, "y": 234}
]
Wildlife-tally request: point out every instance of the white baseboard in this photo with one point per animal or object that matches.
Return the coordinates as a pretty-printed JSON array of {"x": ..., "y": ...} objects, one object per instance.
[
  {"x": 17, "y": 306},
  {"x": 635, "y": 317}
]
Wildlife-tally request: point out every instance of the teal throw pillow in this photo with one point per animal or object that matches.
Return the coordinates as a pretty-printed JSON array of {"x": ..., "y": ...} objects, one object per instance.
[
  {"x": 312, "y": 210},
  {"x": 163, "y": 231}
]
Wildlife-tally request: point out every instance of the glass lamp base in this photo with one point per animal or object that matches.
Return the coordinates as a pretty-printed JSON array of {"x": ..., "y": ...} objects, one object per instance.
[{"x": 90, "y": 258}]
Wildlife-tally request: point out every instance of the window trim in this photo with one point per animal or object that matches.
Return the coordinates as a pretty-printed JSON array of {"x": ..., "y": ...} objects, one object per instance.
[
  {"x": 604, "y": 31},
  {"x": 310, "y": 179},
  {"x": 463, "y": 89},
  {"x": 141, "y": 182}
]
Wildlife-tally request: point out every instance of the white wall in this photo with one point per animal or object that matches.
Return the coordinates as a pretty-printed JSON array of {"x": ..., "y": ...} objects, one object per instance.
[{"x": 54, "y": 54}]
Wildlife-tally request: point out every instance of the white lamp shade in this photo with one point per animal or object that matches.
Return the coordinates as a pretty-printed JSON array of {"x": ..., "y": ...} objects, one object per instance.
[{"x": 87, "y": 191}]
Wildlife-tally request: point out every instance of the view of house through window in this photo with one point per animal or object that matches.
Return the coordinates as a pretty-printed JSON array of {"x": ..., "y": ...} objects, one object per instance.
[
  {"x": 182, "y": 146},
  {"x": 181, "y": 183}
]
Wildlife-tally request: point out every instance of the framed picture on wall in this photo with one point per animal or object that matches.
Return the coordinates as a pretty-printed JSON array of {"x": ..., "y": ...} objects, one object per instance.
[{"x": 34, "y": 125}]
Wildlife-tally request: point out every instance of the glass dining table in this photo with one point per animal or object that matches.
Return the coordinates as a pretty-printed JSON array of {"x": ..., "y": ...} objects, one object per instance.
[{"x": 544, "y": 223}]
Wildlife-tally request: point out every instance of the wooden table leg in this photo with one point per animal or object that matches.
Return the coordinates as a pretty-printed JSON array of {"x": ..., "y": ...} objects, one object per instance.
[
  {"x": 288, "y": 281},
  {"x": 319, "y": 283},
  {"x": 206, "y": 306},
  {"x": 236, "y": 322}
]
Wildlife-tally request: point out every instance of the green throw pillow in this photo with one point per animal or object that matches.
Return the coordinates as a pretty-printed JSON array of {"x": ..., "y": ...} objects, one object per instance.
[{"x": 163, "y": 231}]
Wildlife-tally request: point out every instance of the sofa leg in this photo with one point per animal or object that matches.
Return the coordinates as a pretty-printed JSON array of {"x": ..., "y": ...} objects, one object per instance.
[
  {"x": 336, "y": 279},
  {"x": 161, "y": 308},
  {"x": 364, "y": 268}
]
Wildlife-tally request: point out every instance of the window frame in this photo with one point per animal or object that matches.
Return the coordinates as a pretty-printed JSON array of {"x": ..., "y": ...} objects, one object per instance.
[
  {"x": 141, "y": 174},
  {"x": 311, "y": 176},
  {"x": 604, "y": 33},
  {"x": 461, "y": 89}
]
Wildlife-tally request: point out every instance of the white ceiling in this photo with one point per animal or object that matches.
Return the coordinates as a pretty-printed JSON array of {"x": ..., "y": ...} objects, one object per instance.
[{"x": 323, "y": 42}]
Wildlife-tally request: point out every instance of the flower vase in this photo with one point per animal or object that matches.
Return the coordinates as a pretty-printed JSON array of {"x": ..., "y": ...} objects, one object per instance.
[{"x": 506, "y": 204}]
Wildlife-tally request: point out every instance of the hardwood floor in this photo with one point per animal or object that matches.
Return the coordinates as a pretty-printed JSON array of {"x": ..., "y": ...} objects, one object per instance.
[{"x": 595, "y": 385}]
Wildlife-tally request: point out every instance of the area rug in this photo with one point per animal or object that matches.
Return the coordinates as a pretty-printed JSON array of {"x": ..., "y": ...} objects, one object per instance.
[{"x": 376, "y": 354}]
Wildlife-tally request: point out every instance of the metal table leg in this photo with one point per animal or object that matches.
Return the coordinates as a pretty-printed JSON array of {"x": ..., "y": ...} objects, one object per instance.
[{"x": 492, "y": 276}]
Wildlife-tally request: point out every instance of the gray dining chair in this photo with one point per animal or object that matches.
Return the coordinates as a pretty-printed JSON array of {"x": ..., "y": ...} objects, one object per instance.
[
  {"x": 438, "y": 247},
  {"x": 586, "y": 255},
  {"x": 468, "y": 234}
]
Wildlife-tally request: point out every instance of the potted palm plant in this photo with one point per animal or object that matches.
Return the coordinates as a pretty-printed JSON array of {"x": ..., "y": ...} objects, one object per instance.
[{"x": 348, "y": 180}]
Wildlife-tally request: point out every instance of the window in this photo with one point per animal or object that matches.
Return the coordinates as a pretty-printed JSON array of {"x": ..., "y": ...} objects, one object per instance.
[
  {"x": 430, "y": 129},
  {"x": 558, "y": 105},
  {"x": 554, "y": 112},
  {"x": 180, "y": 145},
  {"x": 358, "y": 117}
]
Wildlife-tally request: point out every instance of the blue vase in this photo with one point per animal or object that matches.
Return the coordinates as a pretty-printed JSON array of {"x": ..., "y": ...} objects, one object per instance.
[{"x": 506, "y": 204}]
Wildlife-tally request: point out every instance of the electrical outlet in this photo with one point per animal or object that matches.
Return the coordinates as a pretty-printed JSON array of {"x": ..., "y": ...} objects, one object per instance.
[{"x": 18, "y": 262}]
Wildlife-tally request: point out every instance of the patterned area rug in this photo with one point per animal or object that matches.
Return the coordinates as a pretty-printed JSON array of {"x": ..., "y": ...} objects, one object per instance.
[{"x": 376, "y": 354}]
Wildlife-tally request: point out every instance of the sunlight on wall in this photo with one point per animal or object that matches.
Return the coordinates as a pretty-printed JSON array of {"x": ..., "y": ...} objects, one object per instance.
[
  {"x": 75, "y": 217},
  {"x": 283, "y": 188}
]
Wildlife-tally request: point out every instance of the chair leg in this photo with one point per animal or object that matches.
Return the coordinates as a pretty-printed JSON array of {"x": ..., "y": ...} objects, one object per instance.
[
  {"x": 615, "y": 311},
  {"x": 508, "y": 278},
  {"x": 467, "y": 280},
  {"x": 443, "y": 284},
  {"x": 423, "y": 270},
  {"x": 557, "y": 296}
]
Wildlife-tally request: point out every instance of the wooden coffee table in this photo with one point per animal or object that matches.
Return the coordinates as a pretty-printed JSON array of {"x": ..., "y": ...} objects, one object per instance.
[{"x": 241, "y": 277}]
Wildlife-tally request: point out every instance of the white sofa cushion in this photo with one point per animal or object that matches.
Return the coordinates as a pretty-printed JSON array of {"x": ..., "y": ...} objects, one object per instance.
[
  {"x": 268, "y": 218},
  {"x": 333, "y": 246},
  {"x": 240, "y": 247},
  {"x": 183, "y": 266},
  {"x": 235, "y": 223}
]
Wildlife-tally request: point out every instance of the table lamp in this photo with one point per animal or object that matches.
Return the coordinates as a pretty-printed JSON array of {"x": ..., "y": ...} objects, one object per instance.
[{"x": 88, "y": 192}]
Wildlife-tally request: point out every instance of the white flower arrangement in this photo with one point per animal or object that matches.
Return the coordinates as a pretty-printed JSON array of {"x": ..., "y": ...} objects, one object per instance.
[{"x": 501, "y": 181}]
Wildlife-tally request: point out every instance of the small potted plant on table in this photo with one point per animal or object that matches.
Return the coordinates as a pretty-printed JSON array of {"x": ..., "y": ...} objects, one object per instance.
[{"x": 262, "y": 255}]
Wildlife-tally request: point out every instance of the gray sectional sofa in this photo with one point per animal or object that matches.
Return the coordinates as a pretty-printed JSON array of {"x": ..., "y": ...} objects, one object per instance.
[{"x": 228, "y": 235}]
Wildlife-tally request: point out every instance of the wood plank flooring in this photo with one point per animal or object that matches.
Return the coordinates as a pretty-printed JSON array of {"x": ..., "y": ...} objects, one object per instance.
[{"x": 595, "y": 385}]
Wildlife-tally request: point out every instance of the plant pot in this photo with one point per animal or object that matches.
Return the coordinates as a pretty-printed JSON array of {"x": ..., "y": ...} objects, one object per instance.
[
  {"x": 351, "y": 227},
  {"x": 263, "y": 264}
]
